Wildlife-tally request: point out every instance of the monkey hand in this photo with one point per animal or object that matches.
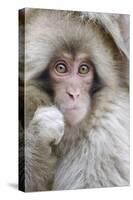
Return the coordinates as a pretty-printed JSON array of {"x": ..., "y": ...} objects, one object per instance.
[{"x": 48, "y": 124}]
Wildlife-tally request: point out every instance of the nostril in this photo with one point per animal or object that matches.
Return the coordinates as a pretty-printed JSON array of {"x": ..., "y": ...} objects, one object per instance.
[
  {"x": 73, "y": 95},
  {"x": 78, "y": 95},
  {"x": 70, "y": 95}
]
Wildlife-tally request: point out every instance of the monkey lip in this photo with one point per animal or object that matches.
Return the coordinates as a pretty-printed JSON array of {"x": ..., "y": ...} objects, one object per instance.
[{"x": 73, "y": 108}]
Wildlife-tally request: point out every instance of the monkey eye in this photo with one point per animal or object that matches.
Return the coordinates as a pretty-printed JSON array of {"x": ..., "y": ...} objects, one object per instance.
[
  {"x": 84, "y": 69},
  {"x": 61, "y": 68}
]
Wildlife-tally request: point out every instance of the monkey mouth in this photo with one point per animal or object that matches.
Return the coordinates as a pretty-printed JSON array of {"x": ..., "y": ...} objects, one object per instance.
[{"x": 73, "y": 108}]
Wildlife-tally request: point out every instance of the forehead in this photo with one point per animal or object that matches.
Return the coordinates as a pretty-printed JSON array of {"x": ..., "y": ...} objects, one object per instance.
[
  {"x": 72, "y": 57},
  {"x": 77, "y": 55}
]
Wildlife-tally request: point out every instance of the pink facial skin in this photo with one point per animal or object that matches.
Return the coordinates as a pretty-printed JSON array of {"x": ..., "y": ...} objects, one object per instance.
[{"x": 72, "y": 81}]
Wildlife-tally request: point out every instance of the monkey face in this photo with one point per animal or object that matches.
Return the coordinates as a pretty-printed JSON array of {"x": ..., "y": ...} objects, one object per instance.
[{"x": 72, "y": 80}]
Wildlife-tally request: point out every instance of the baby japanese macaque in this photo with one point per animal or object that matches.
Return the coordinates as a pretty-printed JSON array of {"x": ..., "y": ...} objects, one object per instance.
[{"x": 75, "y": 133}]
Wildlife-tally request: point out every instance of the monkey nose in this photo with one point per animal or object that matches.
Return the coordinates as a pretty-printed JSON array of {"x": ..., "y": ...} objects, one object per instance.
[{"x": 73, "y": 94}]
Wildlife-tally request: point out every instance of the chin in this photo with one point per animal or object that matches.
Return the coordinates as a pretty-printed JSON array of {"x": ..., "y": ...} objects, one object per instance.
[{"x": 74, "y": 116}]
